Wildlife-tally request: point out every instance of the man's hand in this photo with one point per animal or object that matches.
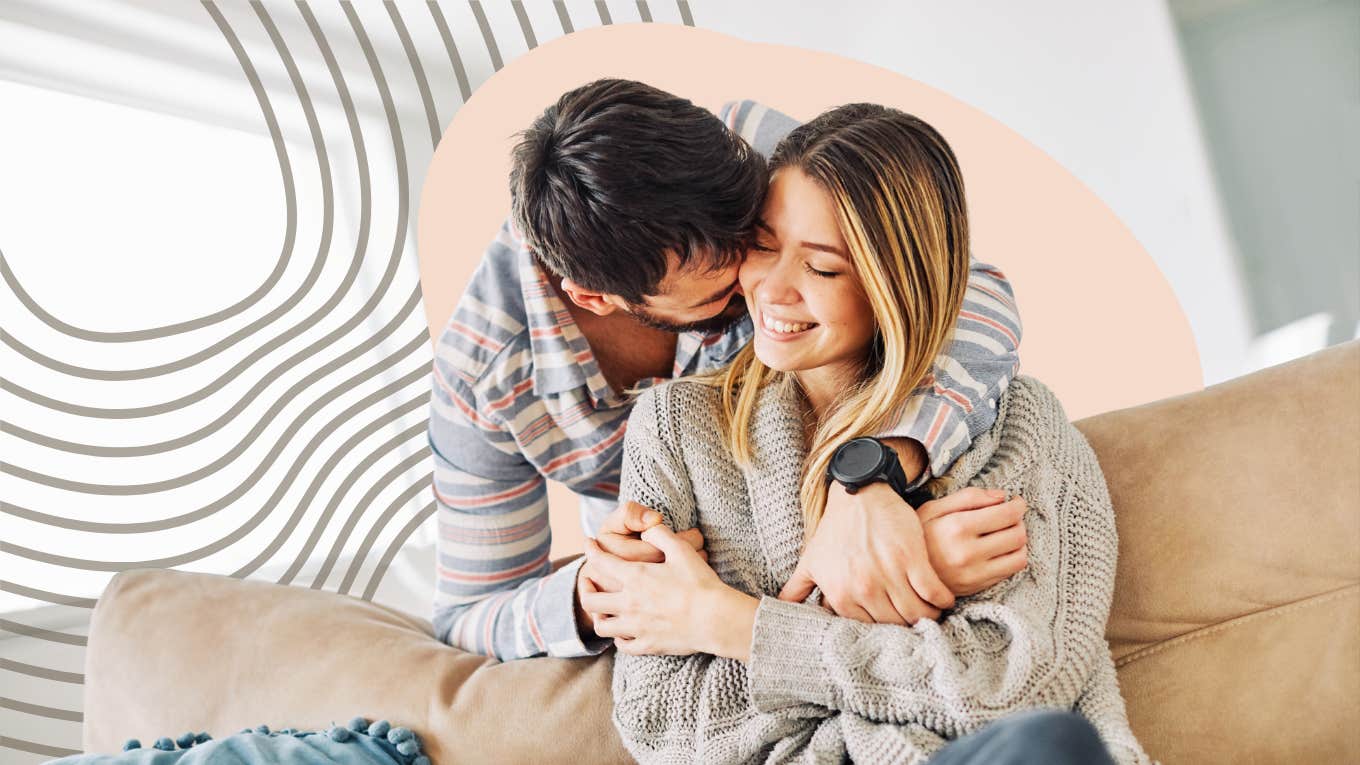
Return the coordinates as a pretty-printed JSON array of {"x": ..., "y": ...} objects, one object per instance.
[
  {"x": 869, "y": 556},
  {"x": 621, "y": 535},
  {"x": 975, "y": 539}
]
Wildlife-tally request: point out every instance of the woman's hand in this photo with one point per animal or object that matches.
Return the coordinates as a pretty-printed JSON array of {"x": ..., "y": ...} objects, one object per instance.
[
  {"x": 974, "y": 538},
  {"x": 676, "y": 607}
]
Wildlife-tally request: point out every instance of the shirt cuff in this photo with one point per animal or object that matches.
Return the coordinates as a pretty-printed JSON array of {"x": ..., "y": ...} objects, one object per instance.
[
  {"x": 554, "y": 613},
  {"x": 940, "y": 427}
]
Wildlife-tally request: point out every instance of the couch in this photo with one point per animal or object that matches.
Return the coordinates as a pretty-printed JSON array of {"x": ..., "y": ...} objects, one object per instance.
[{"x": 1235, "y": 627}]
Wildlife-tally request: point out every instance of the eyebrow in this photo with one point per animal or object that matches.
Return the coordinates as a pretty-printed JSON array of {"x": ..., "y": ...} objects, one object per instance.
[
  {"x": 715, "y": 297},
  {"x": 760, "y": 223}
]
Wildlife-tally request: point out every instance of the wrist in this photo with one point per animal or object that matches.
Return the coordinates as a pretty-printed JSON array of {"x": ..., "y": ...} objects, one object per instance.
[
  {"x": 735, "y": 621},
  {"x": 585, "y": 625},
  {"x": 911, "y": 455}
]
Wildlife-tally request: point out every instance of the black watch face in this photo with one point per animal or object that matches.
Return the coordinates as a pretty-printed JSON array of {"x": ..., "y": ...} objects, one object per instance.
[{"x": 858, "y": 459}]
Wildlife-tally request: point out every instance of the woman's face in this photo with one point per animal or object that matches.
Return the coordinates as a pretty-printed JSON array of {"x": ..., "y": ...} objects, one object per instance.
[{"x": 807, "y": 303}]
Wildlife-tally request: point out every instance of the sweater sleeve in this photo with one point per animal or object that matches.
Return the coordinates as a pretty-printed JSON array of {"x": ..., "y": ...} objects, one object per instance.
[
  {"x": 692, "y": 708},
  {"x": 1035, "y": 639}
]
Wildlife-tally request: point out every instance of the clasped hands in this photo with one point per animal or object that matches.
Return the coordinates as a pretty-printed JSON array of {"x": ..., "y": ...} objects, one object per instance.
[{"x": 651, "y": 589}]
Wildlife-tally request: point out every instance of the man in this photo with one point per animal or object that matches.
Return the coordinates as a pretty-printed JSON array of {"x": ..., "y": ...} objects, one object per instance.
[{"x": 632, "y": 208}]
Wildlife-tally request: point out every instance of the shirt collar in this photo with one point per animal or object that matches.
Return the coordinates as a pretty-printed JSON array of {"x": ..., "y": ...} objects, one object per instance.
[{"x": 562, "y": 356}]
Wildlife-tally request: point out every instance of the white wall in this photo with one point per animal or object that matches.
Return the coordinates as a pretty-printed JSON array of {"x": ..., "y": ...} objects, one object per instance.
[{"x": 1099, "y": 86}]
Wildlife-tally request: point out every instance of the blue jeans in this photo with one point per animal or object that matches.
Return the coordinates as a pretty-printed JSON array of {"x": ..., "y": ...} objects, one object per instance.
[{"x": 1046, "y": 736}]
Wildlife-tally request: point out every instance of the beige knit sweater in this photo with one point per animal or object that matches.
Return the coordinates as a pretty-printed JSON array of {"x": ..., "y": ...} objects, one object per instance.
[{"x": 821, "y": 688}]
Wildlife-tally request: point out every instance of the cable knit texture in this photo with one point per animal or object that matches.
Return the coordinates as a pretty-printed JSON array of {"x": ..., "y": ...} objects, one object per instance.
[{"x": 821, "y": 688}]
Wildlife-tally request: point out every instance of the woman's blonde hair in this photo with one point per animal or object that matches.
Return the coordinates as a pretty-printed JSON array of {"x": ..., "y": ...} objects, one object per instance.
[{"x": 900, "y": 206}]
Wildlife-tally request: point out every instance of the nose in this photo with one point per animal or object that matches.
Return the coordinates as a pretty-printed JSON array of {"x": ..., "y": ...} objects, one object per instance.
[{"x": 777, "y": 284}]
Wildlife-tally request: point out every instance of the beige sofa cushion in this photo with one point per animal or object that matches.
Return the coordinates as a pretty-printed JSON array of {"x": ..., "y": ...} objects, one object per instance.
[
  {"x": 173, "y": 651},
  {"x": 1236, "y": 619},
  {"x": 1236, "y": 622}
]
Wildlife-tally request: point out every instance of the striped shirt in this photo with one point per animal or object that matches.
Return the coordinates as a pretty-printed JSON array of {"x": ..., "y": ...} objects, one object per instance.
[{"x": 518, "y": 398}]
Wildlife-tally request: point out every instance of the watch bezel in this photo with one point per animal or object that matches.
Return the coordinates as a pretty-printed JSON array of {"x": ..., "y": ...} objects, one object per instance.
[{"x": 853, "y": 483}]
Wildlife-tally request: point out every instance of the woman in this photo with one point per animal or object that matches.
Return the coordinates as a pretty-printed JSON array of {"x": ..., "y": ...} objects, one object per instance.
[{"x": 858, "y": 270}]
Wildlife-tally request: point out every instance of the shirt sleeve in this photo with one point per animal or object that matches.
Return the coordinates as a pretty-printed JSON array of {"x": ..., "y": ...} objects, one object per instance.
[
  {"x": 759, "y": 125},
  {"x": 496, "y": 593},
  {"x": 957, "y": 401}
]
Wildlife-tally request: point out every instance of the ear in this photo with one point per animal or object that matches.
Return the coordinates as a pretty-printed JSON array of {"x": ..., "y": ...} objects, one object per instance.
[{"x": 596, "y": 302}]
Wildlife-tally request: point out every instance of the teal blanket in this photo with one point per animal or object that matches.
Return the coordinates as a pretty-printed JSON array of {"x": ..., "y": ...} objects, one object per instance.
[{"x": 355, "y": 743}]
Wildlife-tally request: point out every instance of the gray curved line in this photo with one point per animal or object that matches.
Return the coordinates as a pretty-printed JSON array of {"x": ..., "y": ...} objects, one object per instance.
[
  {"x": 237, "y": 534},
  {"x": 643, "y": 11},
  {"x": 18, "y": 744},
  {"x": 403, "y": 205},
  {"x": 397, "y": 542},
  {"x": 563, "y": 16},
  {"x": 361, "y": 507},
  {"x": 286, "y": 304},
  {"x": 235, "y": 371},
  {"x": 431, "y": 116},
  {"x": 320, "y": 524},
  {"x": 365, "y": 208},
  {"x": 371, "y": 537},
  {"x": 452, "y": 48},
  {"x": 285, "y": 252},
  {"x": 327, "y": 231},
  {"x": 249, "y": 439},
  {"x": 43, "y": 634},
  {"x": 180, "y": 403},
  {"x": 365, "y": 217},
  {"x": 33, "y": 670},
  {"x": 44, "y": 595},
  {"x": 307, "y": 499},
  {"x": 603, "y": 10},
  {"x": 211, "y": 508},
  {"x": 524, "y": 24},
  {"x": 338, "y": 495},
  {"x": 487, "y": 36},
  {"x": 686, "y": 17},
  {"x": 38, "y": 710}
]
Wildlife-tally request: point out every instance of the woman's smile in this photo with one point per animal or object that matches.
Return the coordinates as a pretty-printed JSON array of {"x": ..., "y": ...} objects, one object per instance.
[{"x": 784, "y": 330}]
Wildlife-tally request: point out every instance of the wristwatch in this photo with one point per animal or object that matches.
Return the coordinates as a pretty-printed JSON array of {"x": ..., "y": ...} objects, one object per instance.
[{"x": 865, "y": 460}]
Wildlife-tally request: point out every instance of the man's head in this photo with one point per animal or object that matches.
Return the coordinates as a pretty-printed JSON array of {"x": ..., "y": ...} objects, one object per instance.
[{"x": 641, "y": 201}]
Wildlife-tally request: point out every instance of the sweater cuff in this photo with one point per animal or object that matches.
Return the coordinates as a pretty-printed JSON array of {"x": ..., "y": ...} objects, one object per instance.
[{"x": 786, "y": 666}]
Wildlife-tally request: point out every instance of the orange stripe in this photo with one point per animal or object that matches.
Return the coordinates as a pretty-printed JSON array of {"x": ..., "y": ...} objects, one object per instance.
[
  {"x": 489, "y": 499},
  {"x": 494, "y": 576},
  {"x": 468, "y": 411},
  {"x": 580, "y": 454},
  {"x": 510, "y": 397},
  {"x": 991, "y": 322},
  {"x": 935, "y": 426},
  {"x": 476, "y": 336}
]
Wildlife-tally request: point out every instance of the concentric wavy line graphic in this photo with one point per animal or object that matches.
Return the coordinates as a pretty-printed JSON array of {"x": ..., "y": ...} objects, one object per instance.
[{"x": 343, "y": 414}]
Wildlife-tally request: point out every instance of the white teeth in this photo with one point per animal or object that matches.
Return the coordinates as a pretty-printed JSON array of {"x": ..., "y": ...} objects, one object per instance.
[{"x": 784, "y": 327}]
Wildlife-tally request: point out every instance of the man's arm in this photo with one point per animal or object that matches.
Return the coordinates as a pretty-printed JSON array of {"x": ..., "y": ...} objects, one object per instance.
[
  {"x": 956, "y": 403},
  {"x": 496, "y": 590}
]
